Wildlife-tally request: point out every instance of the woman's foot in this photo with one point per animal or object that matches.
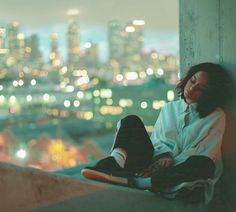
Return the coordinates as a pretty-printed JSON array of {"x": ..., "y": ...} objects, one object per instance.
[
  {"x": 143, "y": 183},
  {"x": 107, "y": 170}
]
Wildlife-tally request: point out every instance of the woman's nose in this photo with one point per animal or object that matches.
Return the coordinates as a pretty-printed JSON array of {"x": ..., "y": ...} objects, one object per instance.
[{"x": 191, "y": 88}]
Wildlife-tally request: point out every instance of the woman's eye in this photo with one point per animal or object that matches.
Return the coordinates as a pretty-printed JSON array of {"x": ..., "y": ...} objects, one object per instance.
[{"x": 200, "y": 89}]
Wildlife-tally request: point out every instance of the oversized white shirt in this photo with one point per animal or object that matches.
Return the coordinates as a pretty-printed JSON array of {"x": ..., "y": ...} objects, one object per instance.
[{"x": 180, "y": 131}]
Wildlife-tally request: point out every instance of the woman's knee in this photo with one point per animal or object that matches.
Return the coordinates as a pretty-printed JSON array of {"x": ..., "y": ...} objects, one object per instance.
[
  {"x": 132, "y": 121},
  {"x": 203, "y": 163}
]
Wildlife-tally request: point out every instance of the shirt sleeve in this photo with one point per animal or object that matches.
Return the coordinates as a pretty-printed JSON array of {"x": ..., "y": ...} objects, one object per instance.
[
  {"x": 160, "y": 143},
  {"x": 210, "y": 144}
]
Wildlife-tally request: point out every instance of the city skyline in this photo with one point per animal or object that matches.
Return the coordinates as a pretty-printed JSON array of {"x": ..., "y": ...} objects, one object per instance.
[{"x": 159, "y": 35}]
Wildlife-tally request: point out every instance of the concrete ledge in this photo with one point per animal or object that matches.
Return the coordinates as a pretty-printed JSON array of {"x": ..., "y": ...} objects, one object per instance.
[{"x": 24, "y": 189}]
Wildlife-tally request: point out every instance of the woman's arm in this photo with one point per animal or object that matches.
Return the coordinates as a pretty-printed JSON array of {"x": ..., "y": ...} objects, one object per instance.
[
  {"x": 210, "y": 144},
  {"x": 158, "y": 137}
]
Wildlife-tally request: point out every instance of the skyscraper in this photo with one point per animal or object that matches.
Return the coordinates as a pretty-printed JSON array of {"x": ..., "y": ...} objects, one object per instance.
[
  {"x": 91, "y": 55},
  {"x": 73, "y": 39},
  {"x": 55, "y": 60},
  {"x": 138, "y": 44},
  {"x": 115, "y": 40},
  {"x": 21, "y": 47},
  {"x": 133, "y": 42},
  {"x": 3, "y": 50},
  {"x": 13, "y": 42},
  {"x": 33, "y": 51},
  {"x": 2, "y": 38}
]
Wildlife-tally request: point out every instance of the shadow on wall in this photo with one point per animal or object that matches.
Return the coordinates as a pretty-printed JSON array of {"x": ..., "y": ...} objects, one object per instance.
[{"x": 227, "y": 184}]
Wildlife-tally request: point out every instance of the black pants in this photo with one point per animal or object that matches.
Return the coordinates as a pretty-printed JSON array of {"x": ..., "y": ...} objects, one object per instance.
[{"x": 133, "y": 137}]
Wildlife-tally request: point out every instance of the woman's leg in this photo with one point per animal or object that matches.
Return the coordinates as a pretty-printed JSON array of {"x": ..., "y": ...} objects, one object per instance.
[
  {"x": 194, "y": 168},
  {"x": 132, "y": 151},
  {"x": 133, "y": 138}
]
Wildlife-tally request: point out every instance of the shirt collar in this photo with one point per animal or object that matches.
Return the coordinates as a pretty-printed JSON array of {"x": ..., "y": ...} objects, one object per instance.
[{"x": 186, "y": 107}]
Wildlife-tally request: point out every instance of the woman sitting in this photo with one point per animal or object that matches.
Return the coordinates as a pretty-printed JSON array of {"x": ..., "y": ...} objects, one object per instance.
[{"x": 184, "y": 150}]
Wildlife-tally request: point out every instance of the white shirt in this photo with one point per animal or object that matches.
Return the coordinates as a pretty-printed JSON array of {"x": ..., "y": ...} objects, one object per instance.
[{"x": 180, "y": 131}]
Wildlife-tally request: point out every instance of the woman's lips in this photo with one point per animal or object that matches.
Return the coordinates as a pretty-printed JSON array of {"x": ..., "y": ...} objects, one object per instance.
[{"x": 188, "y": 95}]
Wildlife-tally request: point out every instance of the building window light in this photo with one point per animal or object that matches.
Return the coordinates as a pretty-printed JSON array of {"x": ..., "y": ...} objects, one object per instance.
[
  {"x": 144, "y": 105},
  {"x": 170, "y": 95},
  {"x": 21, "y": 153}
]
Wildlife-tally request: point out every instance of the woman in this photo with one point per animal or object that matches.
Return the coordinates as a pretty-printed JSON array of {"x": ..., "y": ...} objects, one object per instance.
[{"x": 184, "y": 150}]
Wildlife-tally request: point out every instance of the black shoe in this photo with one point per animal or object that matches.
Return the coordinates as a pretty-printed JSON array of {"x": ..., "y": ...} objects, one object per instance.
[
  {"x": 192, "y": 196},
  {"x": 107, "y": 170}
]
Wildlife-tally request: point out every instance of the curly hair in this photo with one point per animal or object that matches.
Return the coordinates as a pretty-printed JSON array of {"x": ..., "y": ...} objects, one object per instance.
[{"x": 218, "y": 89}]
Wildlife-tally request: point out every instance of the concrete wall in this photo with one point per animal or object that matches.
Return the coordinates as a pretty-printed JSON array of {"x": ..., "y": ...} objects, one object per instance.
[{"x": 208, "y": 33}]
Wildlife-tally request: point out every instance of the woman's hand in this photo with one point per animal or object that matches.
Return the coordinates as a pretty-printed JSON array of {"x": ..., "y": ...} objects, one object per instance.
[
  {"x": 165, "y": 162},
  {"x": 158, "y": 163}
]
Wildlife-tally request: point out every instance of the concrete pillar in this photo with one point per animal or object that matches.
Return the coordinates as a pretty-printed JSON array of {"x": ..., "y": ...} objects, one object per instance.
[{"x": 207, "y": 33}]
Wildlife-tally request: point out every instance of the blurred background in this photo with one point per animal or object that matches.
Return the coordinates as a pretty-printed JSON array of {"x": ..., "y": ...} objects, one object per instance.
[{"x": 70, "y": 69}]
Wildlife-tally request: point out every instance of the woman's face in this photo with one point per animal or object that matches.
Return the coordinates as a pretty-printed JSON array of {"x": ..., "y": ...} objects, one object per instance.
[{"x": 195, "y": 87}]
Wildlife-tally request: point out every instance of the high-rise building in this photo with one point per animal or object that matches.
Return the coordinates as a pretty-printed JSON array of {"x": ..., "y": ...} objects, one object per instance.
[
  {"x": 54, "y": 57},
  {"x": 73, "y": 39},
  {"x": 138, "y": 25},
  {"x": 91, "y": 55},
  {"x": 21, "y": 47},
  {"x": 16, "y": 45},
  {"x": 32, "y": 50},
  {"x": 133, "y": 41},
  {"x": 54, "y": 42},
  {"x": 3, "y": 50},
  {"x": 13, "y": 42},
  {"x": 2, "y": 38},
  {"x": 115, "y": 40}
]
